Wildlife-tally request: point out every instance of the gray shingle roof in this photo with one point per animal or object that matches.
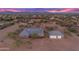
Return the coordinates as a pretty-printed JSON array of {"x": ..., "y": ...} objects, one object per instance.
[
  {"x": 29, "y": 31},
  {"x": 56, "y": 33}
]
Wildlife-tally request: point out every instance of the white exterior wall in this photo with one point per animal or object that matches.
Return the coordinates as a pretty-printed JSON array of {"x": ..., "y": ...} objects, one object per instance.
[
  {"x": 52, "y": 37},
  {"x": 59, "y": 37},
  {"x": 55, "y": 37}
]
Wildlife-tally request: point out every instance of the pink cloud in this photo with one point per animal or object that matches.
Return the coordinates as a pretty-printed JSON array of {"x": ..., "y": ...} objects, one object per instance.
[
  {"x": 32, "y": 10},
  {"x": 9, "y": 10},
  {"x": 63, "y": 10}
]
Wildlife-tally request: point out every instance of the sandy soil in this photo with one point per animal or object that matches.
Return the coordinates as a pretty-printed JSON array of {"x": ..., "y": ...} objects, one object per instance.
[
  {"x": 3, "y": 34},
  {"x": 51, "y": 45},
  {"x": 65, "y": 44}
]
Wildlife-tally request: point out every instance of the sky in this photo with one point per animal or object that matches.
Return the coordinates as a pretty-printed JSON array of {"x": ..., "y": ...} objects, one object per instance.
[{"x": 52, "y": 10}]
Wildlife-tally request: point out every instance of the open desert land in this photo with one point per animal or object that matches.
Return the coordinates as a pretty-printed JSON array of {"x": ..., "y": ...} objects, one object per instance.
[
  {"x": 70, "y": 43},
  {"x": 10, "y": 39}
]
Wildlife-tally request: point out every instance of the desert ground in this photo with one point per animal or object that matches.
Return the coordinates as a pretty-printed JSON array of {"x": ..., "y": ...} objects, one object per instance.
[
  {"x": 68, "y": 24},
  {"x": 44, "y": 44}
]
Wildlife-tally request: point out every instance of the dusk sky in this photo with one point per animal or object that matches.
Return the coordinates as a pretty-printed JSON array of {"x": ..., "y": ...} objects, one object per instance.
[{"x": 39, "y": 10}]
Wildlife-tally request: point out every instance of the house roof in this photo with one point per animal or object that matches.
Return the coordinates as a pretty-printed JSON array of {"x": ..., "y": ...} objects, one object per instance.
[
  {"x": 29, "y": 31},
  {"x": 57, "y": 33}
]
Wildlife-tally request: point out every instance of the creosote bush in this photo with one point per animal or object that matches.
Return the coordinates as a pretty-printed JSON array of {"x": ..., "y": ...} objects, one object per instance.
[{"x": 12, "y": 35}]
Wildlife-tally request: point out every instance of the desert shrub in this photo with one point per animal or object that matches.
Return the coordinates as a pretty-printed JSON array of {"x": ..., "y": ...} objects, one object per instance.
[
  {"x": 29, "y": 42},
  {"x": 67, "y": 32},
  {"x": 72, "y": 30},
  {"x": 1, "y": 40},
  {"x": 12, "y": 35},
  {"x": 78, "y": 34},
  {"x": 34, "y": 35},
  {"x": 46, "y": 35},
  {"x": 45, "y": 21},
  {"x": 21, "y": 26},
  {"x": 49, "y": 28},
  {"x": 19, "y": 31},
  {"x": 18, "y": 42}
]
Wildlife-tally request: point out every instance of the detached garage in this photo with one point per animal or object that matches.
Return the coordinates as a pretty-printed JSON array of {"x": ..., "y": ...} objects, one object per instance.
[{"x": 55, "y": 35}]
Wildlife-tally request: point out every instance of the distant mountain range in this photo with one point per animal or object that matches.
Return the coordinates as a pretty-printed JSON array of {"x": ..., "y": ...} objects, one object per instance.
[
  {"x": 40, "y": 13},
  {"x": 39, "y": 10}
]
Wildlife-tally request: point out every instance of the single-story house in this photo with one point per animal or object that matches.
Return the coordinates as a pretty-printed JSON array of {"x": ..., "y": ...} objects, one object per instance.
[
  {"x": 27, "y": 32},
  {"x": 55, "y": 34}
]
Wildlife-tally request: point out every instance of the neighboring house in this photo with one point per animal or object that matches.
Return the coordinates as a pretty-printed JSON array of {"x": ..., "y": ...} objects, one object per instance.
[
  {"x": 27, "y": 32},
  {"x": 55, "y": 35}
]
